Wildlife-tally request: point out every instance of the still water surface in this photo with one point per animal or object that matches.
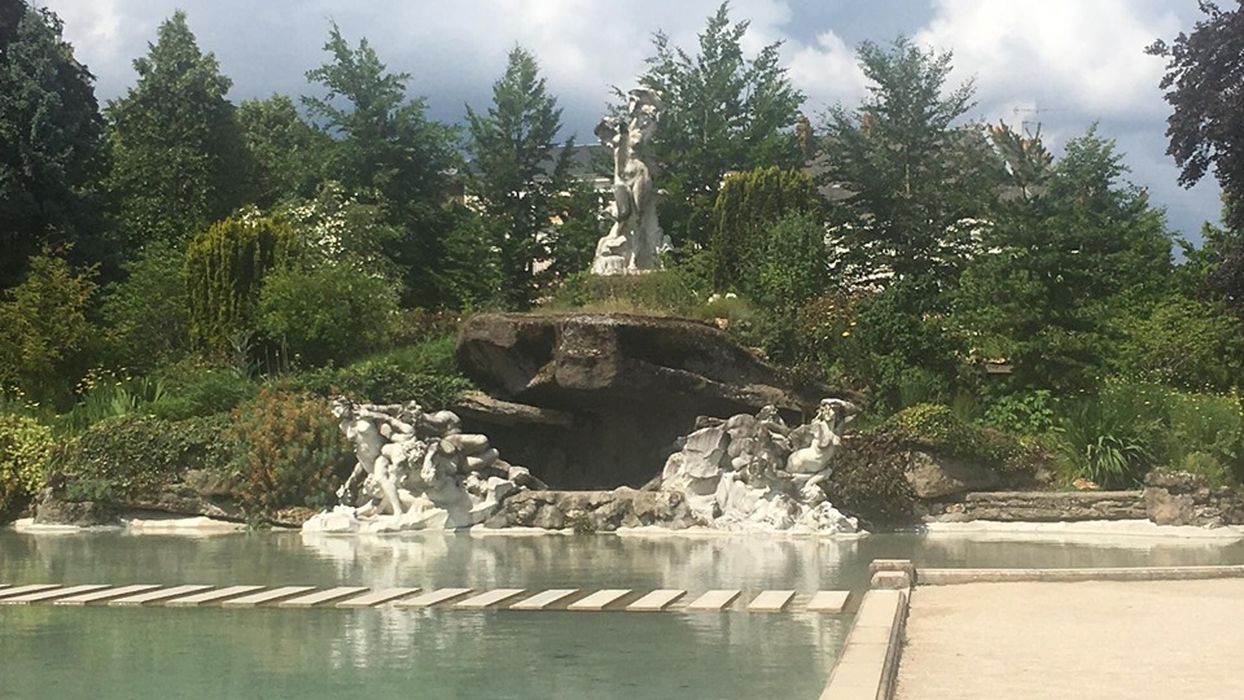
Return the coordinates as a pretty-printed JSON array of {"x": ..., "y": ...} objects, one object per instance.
[{"x": 109, "y": 653}]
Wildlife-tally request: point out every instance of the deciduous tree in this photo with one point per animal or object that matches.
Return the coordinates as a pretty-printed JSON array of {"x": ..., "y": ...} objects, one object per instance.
[{"x": 177, "y": 152}]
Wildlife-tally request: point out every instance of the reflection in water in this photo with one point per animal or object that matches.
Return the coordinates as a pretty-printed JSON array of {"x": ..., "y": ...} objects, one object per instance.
[{"x": 160, "y": 652}]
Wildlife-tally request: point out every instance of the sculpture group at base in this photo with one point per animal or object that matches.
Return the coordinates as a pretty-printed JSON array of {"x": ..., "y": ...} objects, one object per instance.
[
  {"x": 416, "y": 471},
  {"x": 419, "y": 471},
  {"x": 635, "y": 241},
  {"x": 755, "y": 473}
]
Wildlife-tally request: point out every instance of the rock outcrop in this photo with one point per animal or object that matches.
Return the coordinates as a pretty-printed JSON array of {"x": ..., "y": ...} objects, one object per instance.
[
  {"x": 628, "y": 386},
  {"x": 1182, "y": 498}
]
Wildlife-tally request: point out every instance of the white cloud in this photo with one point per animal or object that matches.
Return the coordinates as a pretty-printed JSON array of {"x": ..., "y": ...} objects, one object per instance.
[
  {"x": 1078, "y": 55},
  {"x": 827, "y": 72}
]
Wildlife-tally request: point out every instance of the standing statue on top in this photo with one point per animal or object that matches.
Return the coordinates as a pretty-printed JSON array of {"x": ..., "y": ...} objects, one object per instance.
[{"x": 635, "y": 241}]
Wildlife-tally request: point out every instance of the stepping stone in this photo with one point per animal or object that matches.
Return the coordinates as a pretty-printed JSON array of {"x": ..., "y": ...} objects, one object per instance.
[
  {"x": 713, "y": 601},
  {"x": 254, "y": 599},
  {"x": 197, "y": 599},
  {"x": 37, "y": 596},
  {"x": 599, "y": 599},
  {"x": 543, "y": 600},
  {"x": 30, "y": 588},
  {"x": 770, "y": 601},
  {"x": 311, "y": 600},
  {"x": 489, "y": 599},
  {"x": 440, "y": 595},
  {"x": 161, "y": 594},
  {"x": 657, "y": 600},
  {"x": 96, "y": 596},
  {"x": 371, "y": 600},
  {"x": 5, "y": 585},
  {"x": 829, "y": 601}
]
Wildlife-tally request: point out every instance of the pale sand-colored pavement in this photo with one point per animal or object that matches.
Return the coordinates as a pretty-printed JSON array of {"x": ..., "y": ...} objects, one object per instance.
[{"x": 1099, "y": 640}]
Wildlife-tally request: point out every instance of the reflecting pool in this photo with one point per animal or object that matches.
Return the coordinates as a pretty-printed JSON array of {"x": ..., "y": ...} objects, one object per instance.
[{"x": 100, "y": 652}]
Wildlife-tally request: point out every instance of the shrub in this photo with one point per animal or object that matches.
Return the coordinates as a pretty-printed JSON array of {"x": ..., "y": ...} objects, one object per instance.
[
  {"x": 793, "y": 264},
  {"x": 384, "y": 380},
  {"x": 1207, "y": 424},
  {"x": 413, "y": 326},
  {"x": 1207, "y": 465},
  {"x": 938, "y": 429},
  {"x": 24, "y": 448},
  {"x": 661, "y": 292},
  {"x": 46, "y": 334},
  {"x": 225, "y": 268},
  {"x": 325, "y": 313},
  {"x": 289, "y": 452},
  {"x": 748, "y": 205},
  {"x": 129, "y": 458},
  {"x": 146, "y": 312},
  {"x": 869, "y": 480},
  {"x": 1111, "y": 438},
  {"x": 1028, "y": 413},
  {"x": 1187, "y": 343},
  {"x": 194, "y": 390}
]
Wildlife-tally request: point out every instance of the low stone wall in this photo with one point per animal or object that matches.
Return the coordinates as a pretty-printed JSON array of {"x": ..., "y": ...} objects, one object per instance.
[
  {"x": 593, "y": 511},
  {"x": 1045, "y": 506}
]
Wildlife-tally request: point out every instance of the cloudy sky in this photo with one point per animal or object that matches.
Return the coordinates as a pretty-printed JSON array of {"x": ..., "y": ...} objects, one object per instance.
[{"x": 1063, "y": 63}]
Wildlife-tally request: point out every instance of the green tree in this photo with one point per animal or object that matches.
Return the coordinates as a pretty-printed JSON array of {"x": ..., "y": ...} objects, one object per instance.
[
  {"x": 722, "y": 112},
  {"x": 471, "y": 275},
  {"x": 285, "y": 153},
  {"x": 915, "y": 178},
  {"x": 521, "y": 171},
  {"x": 47, "y": 334},
  {"x": 385, "y": 148},
  {"x": 51, "y": 142},
  {"x": 176, "y": 148},
  {"x": 748, "y": 205},
  {"x": 1204, "y": 71},
  {"x": 1060, "y": 266}
]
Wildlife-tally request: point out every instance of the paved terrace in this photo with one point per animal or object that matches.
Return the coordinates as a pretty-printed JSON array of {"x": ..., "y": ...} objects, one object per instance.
[{"x": 1094, "y": 640}]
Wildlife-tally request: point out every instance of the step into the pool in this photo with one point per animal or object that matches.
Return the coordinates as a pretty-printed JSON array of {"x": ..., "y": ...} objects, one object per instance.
[
  {"x": 380, "y": 597},
  {"x": 544, "y": 599},
  {"x": 269, "y": 596},
  {"x": 106, "y": 594},
  {"x": 770, "y": 601},
  {"x": 28, "y": 588},
  {"x": 245, "y": 596},
  {"x": 440, "y": 595},
  {"x": 39, "y": 596},
  {"x": 657, "y": 600},
  {"x": 489, "y": 598},
  {"x": 833, "y": 602},
  {"x": 208, "y": 597},
  {"x": 598, "y": 600},
  {"x": 311, "y": 600},
  {"x": 158, "y": 595},
  {"x": 713, "y": 600}
]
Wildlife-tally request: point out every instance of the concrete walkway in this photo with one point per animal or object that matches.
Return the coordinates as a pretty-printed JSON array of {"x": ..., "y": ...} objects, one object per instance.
[{"x": 1092, "y": 640}]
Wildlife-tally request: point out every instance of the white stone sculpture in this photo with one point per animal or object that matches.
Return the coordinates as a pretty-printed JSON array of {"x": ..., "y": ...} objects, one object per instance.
[
  {"x": 754, "y": 473},
  {"x": 635, "y": 241},
  {"x": 416, "y": 471}
]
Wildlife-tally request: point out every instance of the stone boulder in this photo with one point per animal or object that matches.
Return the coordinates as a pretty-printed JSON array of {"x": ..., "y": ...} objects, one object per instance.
[
  {"x": 613, "y": 391},
  {"x": 935, "y": 477},
  {"x": 593, "y": 511},
  {"x": 1174, "y": 497}
]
